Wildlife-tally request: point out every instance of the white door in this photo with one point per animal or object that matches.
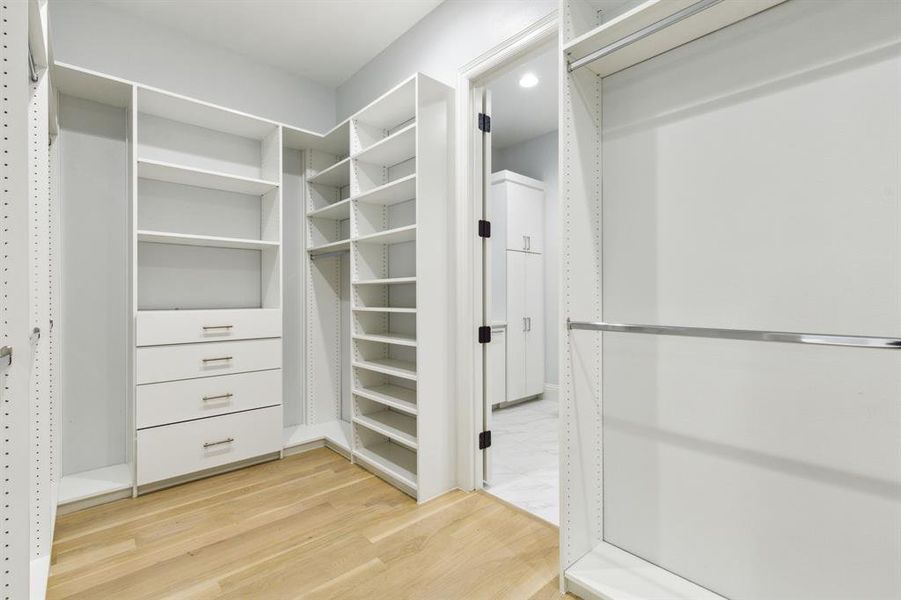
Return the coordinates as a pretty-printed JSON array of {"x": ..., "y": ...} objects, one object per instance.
[
  {"x": 517, "y": 324},
  {"x": 531, "y": 202},
  {"x": 533, "y": 269}
]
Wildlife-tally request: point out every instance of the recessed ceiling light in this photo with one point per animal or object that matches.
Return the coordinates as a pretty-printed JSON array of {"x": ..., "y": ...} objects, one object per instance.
[{"x": 528, "y": 80}]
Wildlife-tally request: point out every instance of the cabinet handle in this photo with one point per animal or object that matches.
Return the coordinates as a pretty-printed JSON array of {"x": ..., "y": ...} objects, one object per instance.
[
  {"x": 209, "y": 327},
  {"x": 217, "y": 359},
  {"x": 529, "y": 321},
  {"x": 219, "y": 397},
  {"x": 524, "y": 324},
  {"x": 524, "y": 245},
  {"x": 219, "y": 443},
  {"x": 528, "y": 242}
]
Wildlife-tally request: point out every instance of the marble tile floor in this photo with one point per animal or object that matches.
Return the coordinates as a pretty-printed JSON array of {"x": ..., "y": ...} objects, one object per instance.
[{"x": 525, "y": 458}]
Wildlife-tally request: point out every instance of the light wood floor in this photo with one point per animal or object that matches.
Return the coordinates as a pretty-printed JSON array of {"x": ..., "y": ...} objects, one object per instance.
[{"x": 311, "y": 526}]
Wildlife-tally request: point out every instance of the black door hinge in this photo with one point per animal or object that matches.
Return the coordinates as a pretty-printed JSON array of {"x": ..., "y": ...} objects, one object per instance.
[
  {"x": 484, "y": 334},
  {"x": 484, "y": 440},
  {"x": 484, "y": 228},
  {"x": 484, "y": 123}
]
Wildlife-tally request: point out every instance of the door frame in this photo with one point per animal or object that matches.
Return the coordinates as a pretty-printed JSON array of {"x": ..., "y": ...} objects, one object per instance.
[{"x": 470, "y": 376}]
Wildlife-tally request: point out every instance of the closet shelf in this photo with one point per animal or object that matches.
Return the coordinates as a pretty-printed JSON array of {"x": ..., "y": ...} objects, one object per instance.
[
  {"x": 97, "y": 482},
  {"x": 393, "y": 425},
  {"x": 398, "y": 147},
  {"x": 184, "y": 239},
  {"x": 386, "y": 309},
  {"x": 389, "y": 281},
  {"x": 393, "y": 192},
  {"x": 393, "y": 460},
  {"x": 337, "y": 175},
  {"x": 394, "y": 396},
  {"x": 338, "y": 211},
  {"x": 389, "y": 366},
  {"x": 396, "y": 106},
  {"x": 172, "y": 173},
  {"x": 398, "y": 339},
  {"x": 338, "y": 246},
  {"x": 392, "y": 236}
]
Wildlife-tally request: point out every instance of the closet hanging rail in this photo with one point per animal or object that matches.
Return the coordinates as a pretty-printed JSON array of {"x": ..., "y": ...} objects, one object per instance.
[
  {"x": 642, "y": 33},
  {"x": 817, "y": 339}
]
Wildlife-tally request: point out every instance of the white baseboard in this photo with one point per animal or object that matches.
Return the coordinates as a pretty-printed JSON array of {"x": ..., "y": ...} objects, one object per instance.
[{"x": 551, "y": 392}]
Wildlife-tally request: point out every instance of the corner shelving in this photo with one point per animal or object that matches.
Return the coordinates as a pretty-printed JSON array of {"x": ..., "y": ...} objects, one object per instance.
[
  {"x": 389, "y": 366},
  {"x": 182, "y": 239},
  {"x": 394, "y": 425},
  {"x": 395, "y": 461},
  {"x": 393, "y": 396},
  {"x": 393, "y": 192},
  {"x": 339, "y": 246},
  {"x": 337, "y": 175}
]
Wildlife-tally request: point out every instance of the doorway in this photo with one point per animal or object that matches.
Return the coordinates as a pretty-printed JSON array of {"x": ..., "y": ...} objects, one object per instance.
[{"x": 519, "y": 280}]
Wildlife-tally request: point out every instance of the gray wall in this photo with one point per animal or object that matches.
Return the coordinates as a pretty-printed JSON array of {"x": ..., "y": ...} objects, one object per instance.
[
  {"x": 537, "y": 158},
  {"x": 443, "y": 41},
  {"x": 115, "y": 43}
]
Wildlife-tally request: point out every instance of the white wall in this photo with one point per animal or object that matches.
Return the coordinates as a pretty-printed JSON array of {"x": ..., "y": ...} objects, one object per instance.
[
  {"x": 449, "y": 37},
  {"x": 537, "y": 158},
  {"x": 116, "y": 43}
]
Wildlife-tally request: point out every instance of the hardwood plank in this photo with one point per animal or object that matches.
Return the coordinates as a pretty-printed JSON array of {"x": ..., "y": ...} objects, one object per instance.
[{"x": 311, "y": 525}]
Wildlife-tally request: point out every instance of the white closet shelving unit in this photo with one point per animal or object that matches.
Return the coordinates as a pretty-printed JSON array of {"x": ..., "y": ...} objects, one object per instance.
[{"x": 246, "y": 241}]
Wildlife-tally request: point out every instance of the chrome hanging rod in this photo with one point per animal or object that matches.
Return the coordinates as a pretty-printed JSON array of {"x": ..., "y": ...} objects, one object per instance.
[
  {"x": 642, "y": 33},
  {"x": 32, "y": 68},
  {"x": 817, "y": 339}
]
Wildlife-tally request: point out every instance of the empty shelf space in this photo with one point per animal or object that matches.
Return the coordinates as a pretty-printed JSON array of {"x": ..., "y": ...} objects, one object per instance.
[
  {"x": 395, "y": 396},
  {"x": 389, "y": 366},
  {"x": 184, "y": 239},
  {"x": 338, "y": 246},
  {"x": 398, "y": 427},
  {"x": 399, "y": 339},
  {"x": 396, "y": 148},
  {"x": 172, "y": 173},
  {"x": 394, "y": 107},
  {"x": 389, "y": 281},
  {"x": 97, "y": 482},
  {"x": 394, "y": 192},
  {"x": 337, "y": 211},
  {"x": 337, "y": 175},
  {"x": 394, "y": 460},
  {"x": 392, "y": 236},
  {"x": 386, "y": 309}
]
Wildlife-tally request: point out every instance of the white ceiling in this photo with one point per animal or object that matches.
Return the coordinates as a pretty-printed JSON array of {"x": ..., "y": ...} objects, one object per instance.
[
  {"x": 324, "y": 40},
  {"x": 519, "y": 114}
]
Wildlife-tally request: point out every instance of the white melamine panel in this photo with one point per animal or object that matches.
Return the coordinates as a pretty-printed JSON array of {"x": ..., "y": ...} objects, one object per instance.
[
  {"x": 94, "y": 277},
  {"x": 174, "y": 450},
  {"x": 186, "y": 326},
  {"x": 185, "y": 361},
  {"x": 160, "y": 170},
  {"x": 196, "y": 277},
  {"x": 174, "y": 401},
  {"x": 534, "y": 303},
  {"x": 496, "y": 366},
  {"x": 293, "y": 319},
  {"x": 796, "y": 228}
]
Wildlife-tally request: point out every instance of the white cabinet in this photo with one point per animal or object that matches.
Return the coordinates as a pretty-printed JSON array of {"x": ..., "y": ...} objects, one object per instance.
[
  {"x": 517, "y": 211},
  {"x": 525, "y": 325}
]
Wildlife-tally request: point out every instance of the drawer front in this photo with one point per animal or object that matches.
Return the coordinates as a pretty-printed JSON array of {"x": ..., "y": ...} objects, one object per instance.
[
  {"x": 186, "y": 361},
  {"x": 159, "y": 327},
  {"x": 163, "y": 403},
  {"x": 182, "y": 448}
]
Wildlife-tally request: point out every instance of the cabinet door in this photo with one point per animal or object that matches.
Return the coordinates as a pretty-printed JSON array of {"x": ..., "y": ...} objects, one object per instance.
[
  {"x": 516, "y": 325},
  {"x": 531, "y": 205},
  {"x": 517, "y": 218},
  {"x": 534, "y": 302}
]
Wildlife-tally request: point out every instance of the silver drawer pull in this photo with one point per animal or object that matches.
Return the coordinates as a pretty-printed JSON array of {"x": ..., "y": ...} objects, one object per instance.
[
  {"x": 219, "y": 397},
  {"x": 208, "y": 327},
  {"x": 217, "y": 359},
  {"x": 219, "y": 443}
]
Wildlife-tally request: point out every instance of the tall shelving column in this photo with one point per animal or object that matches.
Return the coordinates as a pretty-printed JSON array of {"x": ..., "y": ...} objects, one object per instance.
[{"x": 400, "y": 170}]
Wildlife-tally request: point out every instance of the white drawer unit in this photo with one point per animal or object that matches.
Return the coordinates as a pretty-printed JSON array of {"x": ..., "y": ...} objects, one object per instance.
[
  {"x": 158, "y": 327},
  {"x": 175, "y": 401},
  {"x": 187, "y": 361},
  {"x": 174, "y": 450}
]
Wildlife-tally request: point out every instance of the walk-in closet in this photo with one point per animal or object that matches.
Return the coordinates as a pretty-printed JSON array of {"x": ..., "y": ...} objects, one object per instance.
[{"x": 450, "y": 300}]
